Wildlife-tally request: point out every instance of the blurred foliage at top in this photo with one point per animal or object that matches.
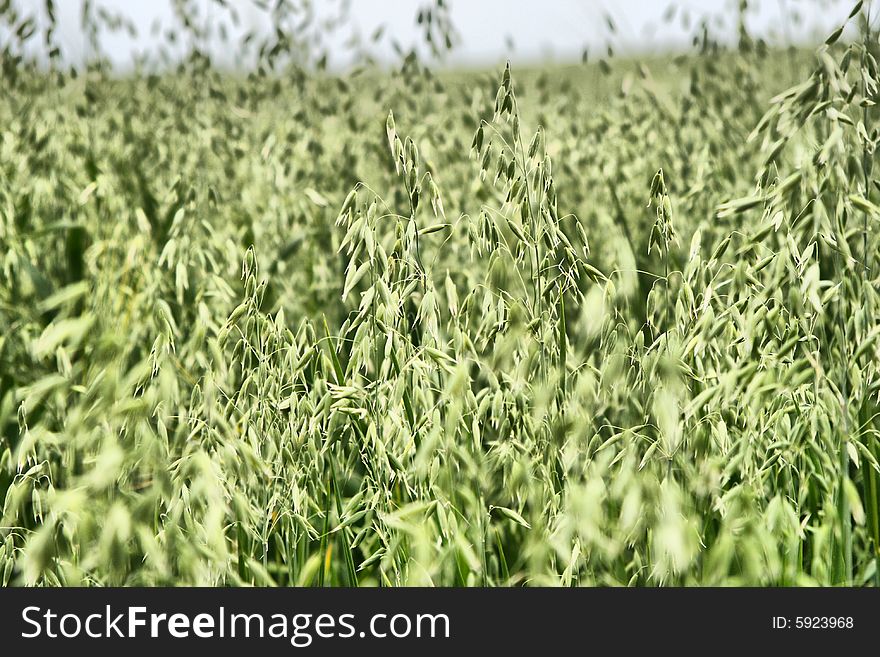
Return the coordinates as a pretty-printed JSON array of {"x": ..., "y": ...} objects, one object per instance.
[{"x": 610, "y": 324}]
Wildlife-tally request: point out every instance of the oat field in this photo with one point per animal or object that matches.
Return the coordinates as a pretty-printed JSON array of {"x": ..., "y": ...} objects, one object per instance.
[{"x": 605, "y": 324}]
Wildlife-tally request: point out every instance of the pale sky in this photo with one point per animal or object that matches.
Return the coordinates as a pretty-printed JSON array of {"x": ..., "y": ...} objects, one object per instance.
[{"x": 557, "y": 30}]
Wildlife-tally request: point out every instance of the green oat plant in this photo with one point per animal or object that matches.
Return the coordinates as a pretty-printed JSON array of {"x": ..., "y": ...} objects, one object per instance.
[{"x": 607, "y": 325}]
